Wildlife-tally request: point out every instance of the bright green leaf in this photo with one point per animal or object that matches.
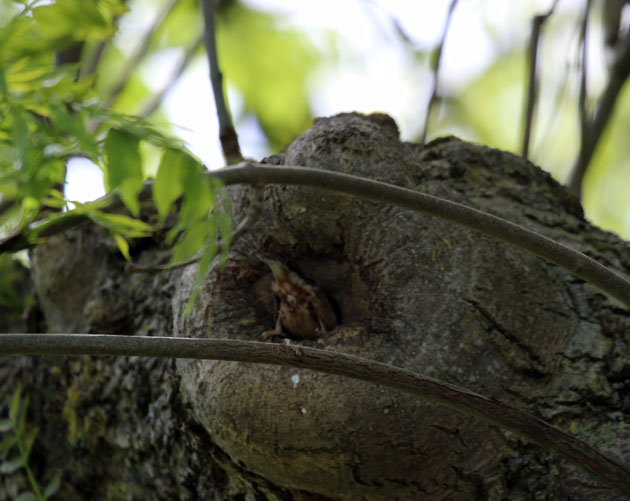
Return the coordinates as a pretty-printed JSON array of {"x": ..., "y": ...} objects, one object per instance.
[
  {"x": 72, "y": 123},
  {"x": 193, "y": 240},
  {"x": 30, "y": 209},
  {"x": 124, "y": 168},
  {"x": 74, "y": 19},
  {"x": 209, "y": 253},
  {"x": 20, "y": 136},
  {"x": 168, "y": 185},
  {"x": 192, "y": 299},
  {"x": 121, "y": 224},
  {"x": 123, "y": 245},
  {"x": 203, "y": 268},
  {"x": 198, "y": 199}
]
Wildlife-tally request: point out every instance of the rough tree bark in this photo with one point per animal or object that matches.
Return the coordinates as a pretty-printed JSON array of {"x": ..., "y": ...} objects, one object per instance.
[{"x": 410, "y": 290}]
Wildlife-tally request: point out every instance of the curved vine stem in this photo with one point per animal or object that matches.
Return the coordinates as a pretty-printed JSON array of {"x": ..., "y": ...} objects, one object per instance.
[
  {"x": 573, "y": 261},
  {"x": 457, "y": 398}
]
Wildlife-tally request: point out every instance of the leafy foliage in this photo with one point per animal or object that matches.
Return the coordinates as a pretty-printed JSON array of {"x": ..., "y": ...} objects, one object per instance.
[
  {"x": 179, "y": 176},
  {"x": 15, "y": 449},
  {"x": 50, "y": 112}
]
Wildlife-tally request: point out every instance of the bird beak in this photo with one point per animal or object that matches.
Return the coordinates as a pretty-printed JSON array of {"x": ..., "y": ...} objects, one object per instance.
[{"x": 276, "y": 267}]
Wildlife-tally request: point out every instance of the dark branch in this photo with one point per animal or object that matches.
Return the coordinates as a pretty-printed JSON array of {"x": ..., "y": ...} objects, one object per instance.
[
  {"x": 227, "y": 132},
  {"x": 436, "y": 69},
  {"x": 619, "y": 73},
  {"x": 582, "y": 111},
  {"x": 532, "y": 87}
]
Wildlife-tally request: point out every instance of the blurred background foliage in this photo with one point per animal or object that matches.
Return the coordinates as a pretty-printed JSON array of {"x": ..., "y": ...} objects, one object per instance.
[
  {"x": 140, "y": 64},
  {"x": 287, "y": 61}
]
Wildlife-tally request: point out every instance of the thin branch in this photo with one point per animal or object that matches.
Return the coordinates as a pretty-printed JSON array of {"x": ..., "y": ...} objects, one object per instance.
[
  {"x": 489, "y": 410},
  {"x": 227, "y": 132},
  {"x": 183, "y": 63},
  {"x": 138, "y": 55},
  {"x": 582, "y": 111},
  {"x": 89, "y": 68},
  {"x": 92, "y": 62},
  {"x": 259, "y": 174},
  {"x": 532, "y": 87},
  {"x": 619, "y": 73},
  {"x": 436, "y": 69}
]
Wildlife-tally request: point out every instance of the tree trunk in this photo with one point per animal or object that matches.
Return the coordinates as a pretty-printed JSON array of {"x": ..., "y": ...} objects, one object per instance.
[{"x": 409, "y": 290}]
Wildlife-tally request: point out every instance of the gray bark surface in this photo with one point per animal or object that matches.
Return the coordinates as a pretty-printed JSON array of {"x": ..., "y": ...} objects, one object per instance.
[{"x": 410, "y": 290}]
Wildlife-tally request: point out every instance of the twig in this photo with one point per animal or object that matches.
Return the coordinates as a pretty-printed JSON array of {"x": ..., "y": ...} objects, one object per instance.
[
  {"x": 435, "y": 67},
  {"x": 259, "y": 174},
  {"x": 138, "y": 55},
  {"x": 94, "y": 59},
  {"x": 183, "y": 63},
  {"x": 489, "y": 410},
  {"x": 532, "y": 87},
  {"x": 582, "y": 111},
  {"x": 227, "y": 133},
  {"x": 376, "y": 20},
  {"x": 619, "y": 73}
]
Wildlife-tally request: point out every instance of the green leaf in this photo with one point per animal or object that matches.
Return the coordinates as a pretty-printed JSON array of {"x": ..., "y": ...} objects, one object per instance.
[
  {"x": 121, "y": 224},
  {"x": 168, "y": 185},
  {"x": 124, "y": 167},
  {"x": 12, "y": 465},
  {"x": 27, "y": 496},
  {"x": 73, "y": 124},
  {"x": 53, "y": 486},
  {"x": 14, "y": 406},
  {"x": 203, "y": 268},
  {"x": 198, "y": 199},
  {"x": 29, "y": 440},
  {"x": 21, "y": 423},
  {"x": 6, "y": 445},
  {"x": 4, "y": 91},
  {"x": 194, "y": 295},
  {"x": 20, "y": 136},
  {"x": 193, "y": 240},
  {"x": 74, "y": 19},
  {"x": 123, "y": 245}
]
